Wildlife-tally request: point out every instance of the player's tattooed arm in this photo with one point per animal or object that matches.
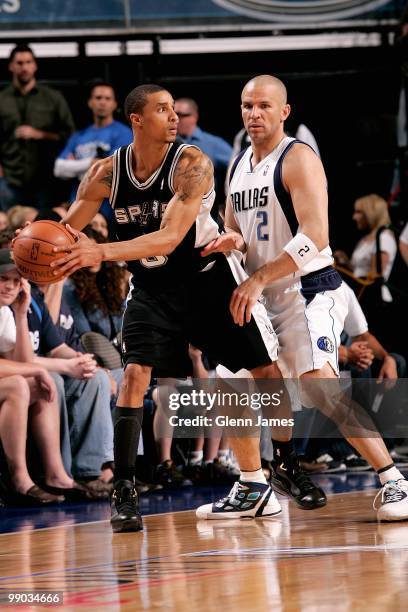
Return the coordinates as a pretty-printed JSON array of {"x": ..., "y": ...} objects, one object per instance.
[
  {"x": 107, "y": 178},
  {"x": 93, "y": 189},
  {"x": 193, "y": 176}
]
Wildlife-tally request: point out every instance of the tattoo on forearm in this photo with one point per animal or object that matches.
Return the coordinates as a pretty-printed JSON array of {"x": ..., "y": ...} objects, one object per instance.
[
  {"x": 188, "y": 179},
  {"x": 107, "y": 179}
]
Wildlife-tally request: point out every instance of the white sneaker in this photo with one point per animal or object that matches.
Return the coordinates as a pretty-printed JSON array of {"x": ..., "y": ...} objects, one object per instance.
[
  {"x": 394, "y": 501},
  {"x": 245, "y": 500}
]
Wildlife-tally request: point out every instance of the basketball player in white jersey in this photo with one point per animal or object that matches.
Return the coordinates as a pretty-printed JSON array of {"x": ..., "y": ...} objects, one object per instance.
[
  {"x": 277, "y": 213},
  {"x": 161, "y": 192}
]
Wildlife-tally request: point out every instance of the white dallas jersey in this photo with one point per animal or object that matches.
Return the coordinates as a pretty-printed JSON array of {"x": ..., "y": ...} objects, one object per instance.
[{"x": 264, "y": 211}]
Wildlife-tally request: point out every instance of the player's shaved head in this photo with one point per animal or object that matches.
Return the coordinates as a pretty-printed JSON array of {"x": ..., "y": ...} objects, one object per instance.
[{"x": 267, "y": 80}]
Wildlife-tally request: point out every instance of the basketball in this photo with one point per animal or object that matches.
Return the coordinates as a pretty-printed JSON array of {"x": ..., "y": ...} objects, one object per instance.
[{"x": 33, "y": 250}]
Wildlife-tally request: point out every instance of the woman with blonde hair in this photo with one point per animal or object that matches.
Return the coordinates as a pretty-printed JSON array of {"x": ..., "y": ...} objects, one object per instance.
[{"x": 371, "y": 213}]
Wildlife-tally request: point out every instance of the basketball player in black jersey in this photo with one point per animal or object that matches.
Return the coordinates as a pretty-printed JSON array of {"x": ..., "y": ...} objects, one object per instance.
[{"x": 161, "y": 192}]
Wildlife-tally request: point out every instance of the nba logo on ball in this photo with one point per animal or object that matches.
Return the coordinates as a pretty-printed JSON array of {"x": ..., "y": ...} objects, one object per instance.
[
  {"x": 325, "y": 344},
  {"x": 34, "y": 251}
]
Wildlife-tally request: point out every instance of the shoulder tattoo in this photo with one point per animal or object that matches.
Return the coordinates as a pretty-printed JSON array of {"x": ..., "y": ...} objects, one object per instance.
[
  {"x": 107, "y": 178},
  {"x": 192, "y": 175}
]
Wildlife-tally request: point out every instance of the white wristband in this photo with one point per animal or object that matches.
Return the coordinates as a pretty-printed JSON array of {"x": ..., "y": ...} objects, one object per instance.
[{"x": 301, "y": 249}]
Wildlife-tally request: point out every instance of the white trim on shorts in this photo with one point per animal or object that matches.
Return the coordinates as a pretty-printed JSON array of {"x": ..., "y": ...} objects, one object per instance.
[{"x": 259, "y": 312}]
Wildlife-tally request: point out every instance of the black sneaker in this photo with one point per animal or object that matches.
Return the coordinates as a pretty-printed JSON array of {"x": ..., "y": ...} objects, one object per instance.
[
  {"x": 170, "y": 477},
  {"x": 125, "y": 515},
  {"x": 289, "y": 479}
]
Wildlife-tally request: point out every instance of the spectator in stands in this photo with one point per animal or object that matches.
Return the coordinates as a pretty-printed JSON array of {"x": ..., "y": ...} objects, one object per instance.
[
  {"x": 403, "y": 244},
  {"x": 27, "y": 393},
  {"x": 98, "y": 140},
  {"x": 19, "y": 215},
  {"x": 365, "y": 357},
  {"x": 217, "y": 149},
  {"x": 365, "y": 347},
  {"x": 27, "y": 397},
  {"x": 84, "y": 391},
  {"x": 35, "y": 121},
  {"x": 6, "y": 238},
  {"x": 96, "y": 296},
  {"x": 370, "y": 214},
  {"x": 100, "y": 224}
]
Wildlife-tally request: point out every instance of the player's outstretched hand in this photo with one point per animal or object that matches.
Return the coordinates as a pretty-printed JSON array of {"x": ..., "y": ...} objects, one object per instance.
[
  {"x": 84, "y": 253},
  {"x": 224, "y": 243},
  {"x": 244, "y": 299}
]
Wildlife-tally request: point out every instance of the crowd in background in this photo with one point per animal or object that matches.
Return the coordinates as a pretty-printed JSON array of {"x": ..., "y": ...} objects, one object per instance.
[{"x": 60, "y": 366}]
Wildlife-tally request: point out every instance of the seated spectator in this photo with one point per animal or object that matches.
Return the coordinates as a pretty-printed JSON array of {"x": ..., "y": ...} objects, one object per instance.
[
  {"x": 364, "y": 356},
  {"x": 364, "y": 346},
  {"x": 100, "y": 224},
  {"x": 83, "y": 391},
  {"x": 371, "y": 213},
  {"x": 96, "y": 295},
  {"x": 207, "y": 463},
  {"x": 27, "y": 405},
  {"x": 62, "y": 316},
  {"x": 19, "y": 215},
  {"x": 27, "y": 395},
  {"x": 6, "y": 238},
  {"x": 217, "y": 149}
]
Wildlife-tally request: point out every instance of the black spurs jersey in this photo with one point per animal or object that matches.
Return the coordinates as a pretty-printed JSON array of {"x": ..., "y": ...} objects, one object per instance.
[{"x": 139, "y": 207}]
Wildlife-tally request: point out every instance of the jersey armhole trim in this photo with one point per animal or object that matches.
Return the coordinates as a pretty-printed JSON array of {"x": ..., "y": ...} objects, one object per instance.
[
  {"x": 115, "y": 177},
  {"x": 235, "y": 164}
]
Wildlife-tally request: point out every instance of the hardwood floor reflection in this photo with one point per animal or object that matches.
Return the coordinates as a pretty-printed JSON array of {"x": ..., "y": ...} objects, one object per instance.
[{"x": 335, "y": 558}]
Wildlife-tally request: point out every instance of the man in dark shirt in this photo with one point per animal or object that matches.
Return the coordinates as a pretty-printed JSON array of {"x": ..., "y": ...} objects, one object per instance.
[{"x": 35, "y": 122}]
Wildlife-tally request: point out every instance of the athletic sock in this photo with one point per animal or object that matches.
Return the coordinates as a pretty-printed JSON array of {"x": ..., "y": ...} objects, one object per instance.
[
  {"x": 195, "y": 457},
  {"x": 282, "y": 450},
  {"x": 253, "y": 476},
  {"x": 389, "y": 472},
  {"x": 126, "y": 433}
]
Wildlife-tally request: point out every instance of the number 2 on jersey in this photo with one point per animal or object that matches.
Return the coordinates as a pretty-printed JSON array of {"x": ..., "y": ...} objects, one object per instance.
[{"x": 261, "y": 234}]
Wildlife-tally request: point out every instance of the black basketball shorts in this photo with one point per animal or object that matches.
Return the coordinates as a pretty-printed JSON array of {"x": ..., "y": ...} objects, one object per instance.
[{"x": 159, "y": 324}]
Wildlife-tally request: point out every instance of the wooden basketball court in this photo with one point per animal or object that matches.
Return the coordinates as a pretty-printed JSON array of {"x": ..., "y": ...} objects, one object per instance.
[{"x": 335, "y": 558}]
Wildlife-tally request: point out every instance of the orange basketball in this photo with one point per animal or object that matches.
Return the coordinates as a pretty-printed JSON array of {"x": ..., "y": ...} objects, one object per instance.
[{"x": 32, "y": 250}]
